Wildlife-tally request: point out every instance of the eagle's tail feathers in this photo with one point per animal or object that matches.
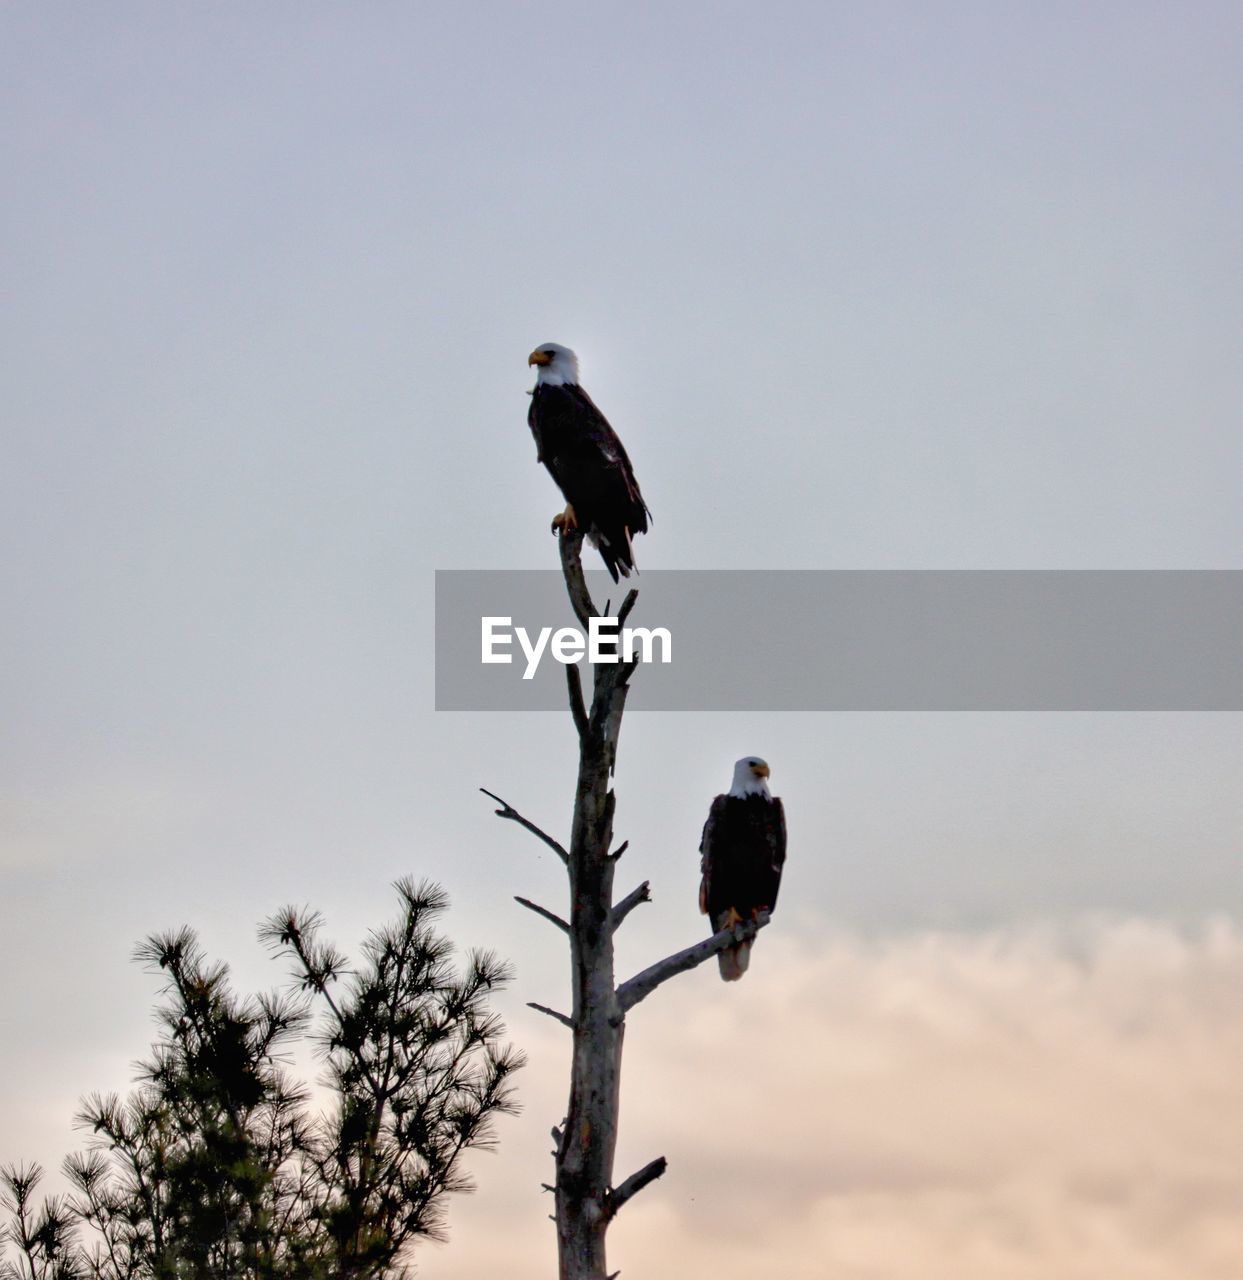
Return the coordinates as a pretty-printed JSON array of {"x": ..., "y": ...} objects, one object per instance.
[{"x": 734, "y": 960}]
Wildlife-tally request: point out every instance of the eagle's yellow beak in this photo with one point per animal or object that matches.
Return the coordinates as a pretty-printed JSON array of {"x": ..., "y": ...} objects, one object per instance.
[
  {"x": 539, "y": 357},
  {"x": 760, "y": 770}
]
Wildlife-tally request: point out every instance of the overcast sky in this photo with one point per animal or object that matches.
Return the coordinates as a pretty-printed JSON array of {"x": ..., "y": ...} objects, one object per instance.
[{"x": 887, "y": 286}]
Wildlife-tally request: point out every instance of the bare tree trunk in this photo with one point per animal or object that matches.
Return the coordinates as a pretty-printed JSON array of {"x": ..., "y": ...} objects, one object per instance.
[
  {"x": 589, "y": 1136},
  {"x": 586, "y": 1199}
]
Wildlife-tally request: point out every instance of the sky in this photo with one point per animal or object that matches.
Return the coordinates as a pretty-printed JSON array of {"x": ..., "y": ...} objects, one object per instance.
[{"x": 861, "y": 287}]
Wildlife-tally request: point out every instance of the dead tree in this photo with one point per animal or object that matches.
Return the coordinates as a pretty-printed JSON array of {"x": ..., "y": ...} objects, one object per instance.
[{"x": 586, "y": 1198}]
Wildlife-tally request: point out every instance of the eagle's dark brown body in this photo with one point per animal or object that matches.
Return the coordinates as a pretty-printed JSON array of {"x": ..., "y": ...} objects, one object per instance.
[
  {"x": 589, "y": 464},
  {"x": 743, "y": 850}
]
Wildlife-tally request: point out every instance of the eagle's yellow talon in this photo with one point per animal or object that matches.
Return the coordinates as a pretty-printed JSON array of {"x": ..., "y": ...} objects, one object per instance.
[{"x": 565, "y": 520}]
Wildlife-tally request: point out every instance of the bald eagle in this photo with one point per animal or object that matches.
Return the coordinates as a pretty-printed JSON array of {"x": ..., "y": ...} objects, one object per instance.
[
  {"x": 742, "y": 852},
  {"x": 586, "y": 459}
]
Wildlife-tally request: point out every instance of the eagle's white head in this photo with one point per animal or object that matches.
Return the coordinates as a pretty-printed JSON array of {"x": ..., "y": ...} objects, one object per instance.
[
  {"x": 750, "y": 778},
  {"x": 555, "y": 365}
]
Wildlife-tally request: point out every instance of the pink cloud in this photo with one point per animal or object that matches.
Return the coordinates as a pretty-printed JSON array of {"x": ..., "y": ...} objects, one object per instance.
[{"x": 1029, "y": 1103}]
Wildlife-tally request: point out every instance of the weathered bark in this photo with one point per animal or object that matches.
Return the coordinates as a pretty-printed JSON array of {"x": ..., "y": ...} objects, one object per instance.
[
  {"x": 589, "y": 1135},
  {"x": 586, "y": 1200}
]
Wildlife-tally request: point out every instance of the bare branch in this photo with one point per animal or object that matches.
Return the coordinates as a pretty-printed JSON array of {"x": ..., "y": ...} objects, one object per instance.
[
  {"x": 643, "y": 984},
  {"x": 578, "y": 708},
  {"x": 543, "y": 911},
  {"x": 642, "y": 894},
  {"x": 621, "y": 848},
  {"x": 627, "y": 604},
  {"x": 552, "y": 1013},
  {"x": 508, "y": 811},
  {"x": 634, "y": 1184}
]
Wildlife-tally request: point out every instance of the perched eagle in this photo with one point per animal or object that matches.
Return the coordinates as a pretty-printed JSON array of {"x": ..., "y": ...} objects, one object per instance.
[
  {"x": 586, "y": 459},
  {"x": 742, "y": 852}
]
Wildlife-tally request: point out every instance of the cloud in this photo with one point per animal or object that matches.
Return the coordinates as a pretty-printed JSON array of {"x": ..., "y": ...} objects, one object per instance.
[{"x": 1032, "y": 1102}]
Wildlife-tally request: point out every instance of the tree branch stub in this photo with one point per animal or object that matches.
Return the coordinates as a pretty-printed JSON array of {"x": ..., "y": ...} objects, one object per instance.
[
  {"x": 634, "y": 1184},
  {"x": 578, "y": 708},
  {"x": 550, "y": 916},
  {"x": 633, "y": 899},
  {"x": 552, "y": 1013}
]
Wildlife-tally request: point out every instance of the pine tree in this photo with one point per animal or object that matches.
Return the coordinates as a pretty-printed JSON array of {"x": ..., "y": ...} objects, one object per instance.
[{"x": 217, "y": 1165}]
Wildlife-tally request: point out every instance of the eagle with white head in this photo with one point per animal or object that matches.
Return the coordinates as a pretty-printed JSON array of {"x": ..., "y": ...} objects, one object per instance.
[
  {"x": 742, "y": 852},
  {"x": 584, "y": 456}
]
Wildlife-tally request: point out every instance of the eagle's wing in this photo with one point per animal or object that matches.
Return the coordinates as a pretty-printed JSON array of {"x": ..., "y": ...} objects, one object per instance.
[
  {"x": 574, "y": 440},
  {"x": 705, "y": 852},
  {"x": 775, "y": 836}
]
